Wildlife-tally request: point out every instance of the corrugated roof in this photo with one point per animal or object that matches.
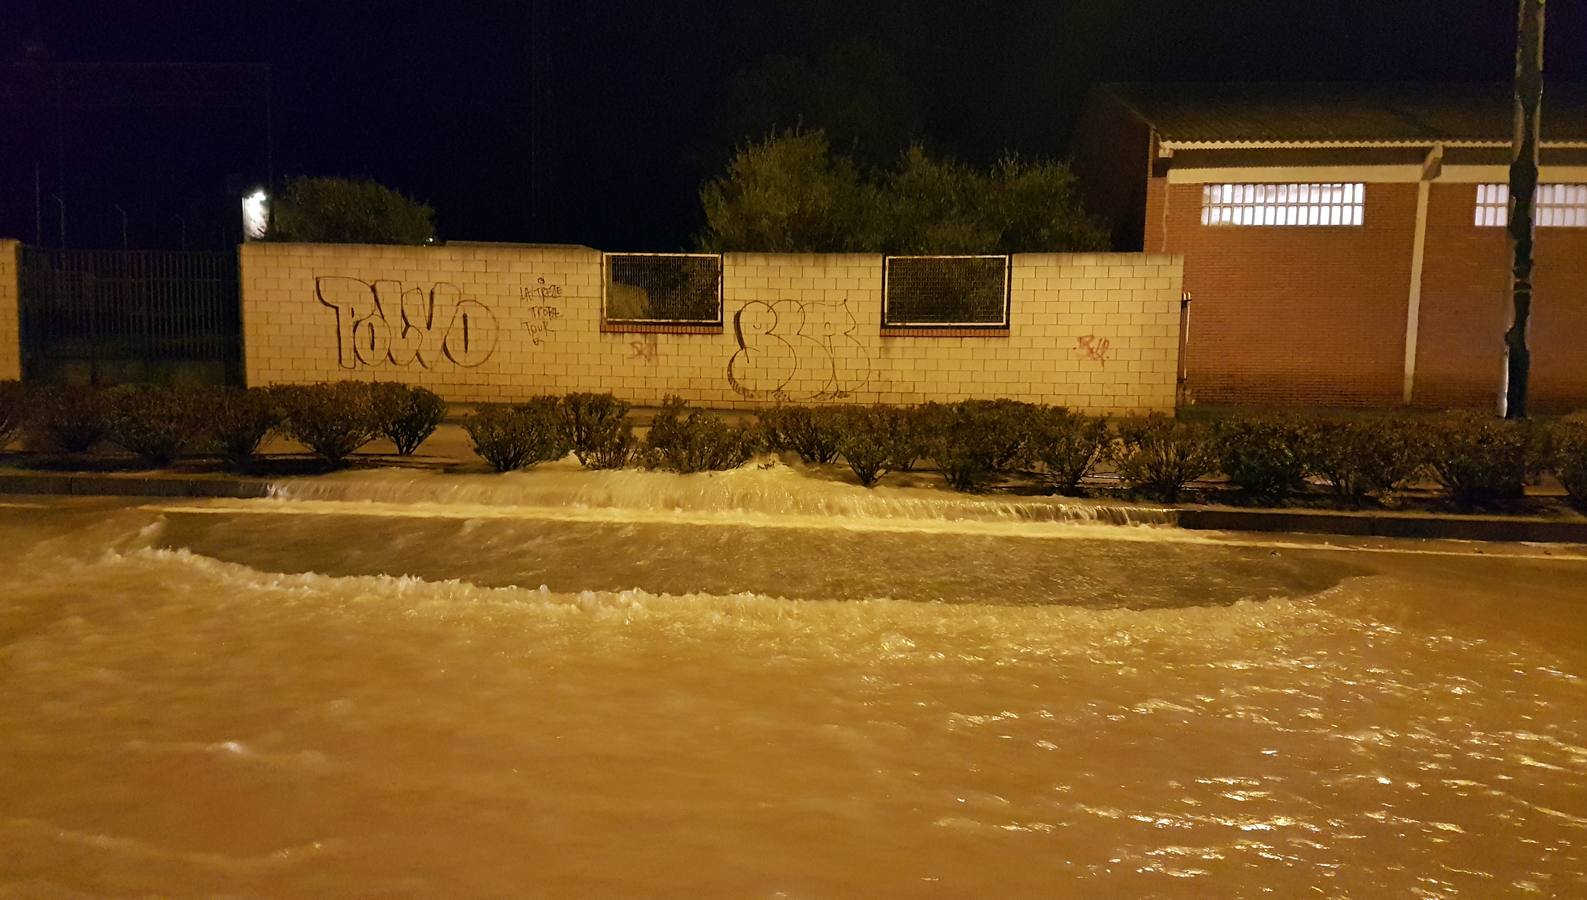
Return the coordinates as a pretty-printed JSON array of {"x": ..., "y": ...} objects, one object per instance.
[{"x": 1326, "y": 112}]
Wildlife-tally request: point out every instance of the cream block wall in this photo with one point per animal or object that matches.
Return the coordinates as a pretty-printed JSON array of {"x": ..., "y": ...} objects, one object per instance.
[
  {"x": 10, "y": 323},
  {"x": 1096, "y": 332}
]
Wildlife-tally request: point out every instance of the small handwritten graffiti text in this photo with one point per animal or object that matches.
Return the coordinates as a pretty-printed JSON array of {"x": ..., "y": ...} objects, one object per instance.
[
  {"x": 537, "y": 323},
  {"x": 540, "y": 291},
  {"x": 643, "y": 350},
  {"x": 1094, "y": 347}
]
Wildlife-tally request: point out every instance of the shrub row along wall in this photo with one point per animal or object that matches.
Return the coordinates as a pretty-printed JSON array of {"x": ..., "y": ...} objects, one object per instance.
[
  {"x": 10, "y": 329},
  {"x": 482, "y": 323}
]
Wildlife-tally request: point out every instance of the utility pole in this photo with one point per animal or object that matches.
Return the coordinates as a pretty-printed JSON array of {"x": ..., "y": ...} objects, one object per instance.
[{"x": 1523, "y": 192}]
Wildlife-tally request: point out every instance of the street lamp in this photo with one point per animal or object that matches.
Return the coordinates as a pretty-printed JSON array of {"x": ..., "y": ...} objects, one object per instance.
[{"x": 255, "y": 215}]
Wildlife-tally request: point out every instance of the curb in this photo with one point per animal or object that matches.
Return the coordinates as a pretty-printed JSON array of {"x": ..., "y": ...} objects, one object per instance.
[
  {"x": 133, "y": 486},
  {"x": 1368, "y": 524}
]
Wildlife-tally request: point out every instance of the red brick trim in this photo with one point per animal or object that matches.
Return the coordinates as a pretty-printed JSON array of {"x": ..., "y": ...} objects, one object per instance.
[
  {"x": 657, "y": 328},
  {"x": 944, "y": 332}
]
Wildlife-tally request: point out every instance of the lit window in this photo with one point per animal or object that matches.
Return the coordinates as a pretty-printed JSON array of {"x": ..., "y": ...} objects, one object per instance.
[
  {"x": 1282, "y": 204},
  {"x": 1554, "y": 205}
]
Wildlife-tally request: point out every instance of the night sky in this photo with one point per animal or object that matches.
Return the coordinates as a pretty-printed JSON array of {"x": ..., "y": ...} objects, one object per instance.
[{"x": 595, "y": 122}]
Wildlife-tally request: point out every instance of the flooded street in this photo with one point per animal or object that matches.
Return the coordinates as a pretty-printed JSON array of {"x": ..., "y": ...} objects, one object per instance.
[{"x": 635, "y": 684}]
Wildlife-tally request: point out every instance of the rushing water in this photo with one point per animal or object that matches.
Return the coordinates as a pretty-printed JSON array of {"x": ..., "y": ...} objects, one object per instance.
[{"x": 622, "y": 684}]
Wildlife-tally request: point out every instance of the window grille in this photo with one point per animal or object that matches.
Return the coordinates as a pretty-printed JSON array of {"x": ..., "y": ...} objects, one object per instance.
[
  {"x": 939, "y": 291},
  {"x": 1553, "y": 206},
  {"x": 663, "y": 288},
  {"x": 1282, "y": 204}
]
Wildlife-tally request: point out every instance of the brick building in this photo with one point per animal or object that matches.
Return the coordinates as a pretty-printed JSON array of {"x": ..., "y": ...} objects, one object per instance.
[{"x": 1344, "y": 243}]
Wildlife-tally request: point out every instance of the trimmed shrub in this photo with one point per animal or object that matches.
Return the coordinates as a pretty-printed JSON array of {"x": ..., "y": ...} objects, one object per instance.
[
  {"x": 1480, "y": 459},
  {"x": 697, "y": 442},
  {"x": 913, "y": 441},
  {"x": 1361, "y": 457},
  {"x": 972, "y": 439},
  {"x": 1066, "y": 446},
  {"x": 517, "y": 437},
  {"x": 1264, "y": 456},
  {"x": 13, "y": 410},
  {"x": 811, "y": 432},
  {"x": 407, "y": 415},
  {"x": 596, "y": 426},
  {"x": 154, "y": 422},
  {"x": 870, "y": 439},
  {"x": 67, "y": 418},
  {"x": 332, "y": 419},
  {"x": 1568, "y": 446},
  {"x": 1157, "y": 455},
  {"x": 239, "y": 421}
]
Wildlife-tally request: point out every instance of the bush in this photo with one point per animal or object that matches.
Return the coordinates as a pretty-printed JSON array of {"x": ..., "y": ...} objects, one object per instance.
[
  {"x": 1264, "y": 456},
  {"x": 1360, "y": 457},
  {"x": 1479, "y": 459},
  {"x": 697, "y": 442},
  {"x": 1157, "y": 456},
  {"x": 913, "y": 440},
  {"x": 1568, "y": 446},
  {"x": 67, "y": 418},
  {"x": 408, "y": 415},
  {"x": 971, "y": 439},
  {"x": 347, "y": 211},
  {"x": 811, "y": 432},
  {"x": 1066, "y": 446},
  {"x": 870, "y": 439},
  {"x": 518, "y": 437},
  {"x": 596, "y": 426},
  {"x": 154, "y": 422},
  {"x": 332, "y": 419},
  {"x": 13, "y": 410},
  {"x": 239, "y": 421}
]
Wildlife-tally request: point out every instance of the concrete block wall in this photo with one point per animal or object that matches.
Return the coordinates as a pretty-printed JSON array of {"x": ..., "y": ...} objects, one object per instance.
[
  {"x": 483, "y": 323},
  {"x": 10, "y": 323}
]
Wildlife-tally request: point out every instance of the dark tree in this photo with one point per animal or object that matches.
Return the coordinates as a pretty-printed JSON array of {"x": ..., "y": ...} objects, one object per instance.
[{"x": 342, "y": 211}]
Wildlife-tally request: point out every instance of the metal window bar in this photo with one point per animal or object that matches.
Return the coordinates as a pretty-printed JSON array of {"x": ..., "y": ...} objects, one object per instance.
[
  {"x": 1335, "y": 204},
  {"x": 1554, "y": 206},
  {"x": 945, "y": 291},
  {"x": 662, "y": 288},
  {"x": 113, "y": 315}
]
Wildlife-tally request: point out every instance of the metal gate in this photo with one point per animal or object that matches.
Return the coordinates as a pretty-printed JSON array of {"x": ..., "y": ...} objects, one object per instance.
[{"x": 113, "y": 316}]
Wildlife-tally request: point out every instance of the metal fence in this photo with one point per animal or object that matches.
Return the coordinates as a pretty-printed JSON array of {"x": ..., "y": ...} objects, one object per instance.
[
  {"x": 938, "y": 291},
  {"x": 684, "y": 288},
  {"x": 111, "y": 316}
]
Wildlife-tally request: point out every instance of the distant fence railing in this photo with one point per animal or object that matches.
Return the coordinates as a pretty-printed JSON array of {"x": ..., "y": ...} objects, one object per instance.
[
  {"x": 663, "y": 288},
  {"x": 109, "y": 316},
  {"x": 945, "y": 291}
]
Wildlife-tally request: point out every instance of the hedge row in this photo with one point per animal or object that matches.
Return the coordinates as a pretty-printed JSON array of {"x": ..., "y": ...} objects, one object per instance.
[
  {"x": 1477, "y": 459},
  {"x": 158, "y": 423}
]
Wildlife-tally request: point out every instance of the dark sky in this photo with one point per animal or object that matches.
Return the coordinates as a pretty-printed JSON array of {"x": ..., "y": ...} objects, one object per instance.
[{"x": 594, "y": 122}]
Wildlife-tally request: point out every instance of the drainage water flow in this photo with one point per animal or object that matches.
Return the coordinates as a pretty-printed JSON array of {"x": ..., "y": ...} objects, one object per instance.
[{"x": 635, "y": 685}]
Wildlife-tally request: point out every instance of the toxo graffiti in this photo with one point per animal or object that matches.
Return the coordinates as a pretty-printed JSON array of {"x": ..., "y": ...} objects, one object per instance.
[
  {"x": 380, "y": 322},
  {"x": 789, "y": 350}
]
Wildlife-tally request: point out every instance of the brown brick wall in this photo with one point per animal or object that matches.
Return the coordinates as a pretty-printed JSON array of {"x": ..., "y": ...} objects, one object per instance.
[
  {"x": 1292, "y": 316},
  {"x": 1465, "y": 308}
]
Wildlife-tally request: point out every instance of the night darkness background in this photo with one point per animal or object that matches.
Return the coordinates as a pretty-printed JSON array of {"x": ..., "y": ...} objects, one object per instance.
[{"x": 595, "y": 122}]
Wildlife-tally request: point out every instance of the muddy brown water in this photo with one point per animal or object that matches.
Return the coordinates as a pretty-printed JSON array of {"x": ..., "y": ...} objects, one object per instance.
[{"x": 635, "y": 684}]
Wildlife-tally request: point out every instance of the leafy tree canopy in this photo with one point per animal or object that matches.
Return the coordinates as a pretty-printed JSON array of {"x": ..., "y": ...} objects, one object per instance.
[
  {"x": 792, "y": 193},
  {"x": 345, "y": 211}
]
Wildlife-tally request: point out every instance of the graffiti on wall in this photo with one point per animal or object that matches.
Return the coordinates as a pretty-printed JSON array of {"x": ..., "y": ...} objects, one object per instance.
[
  {"x": 1094, "y": 348},
  {"x": 793, "y": 350},
  {"x": 537, "y": 322},
  {"x": 644, "y": 349},
  {"x": 379, "y": 322}
]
